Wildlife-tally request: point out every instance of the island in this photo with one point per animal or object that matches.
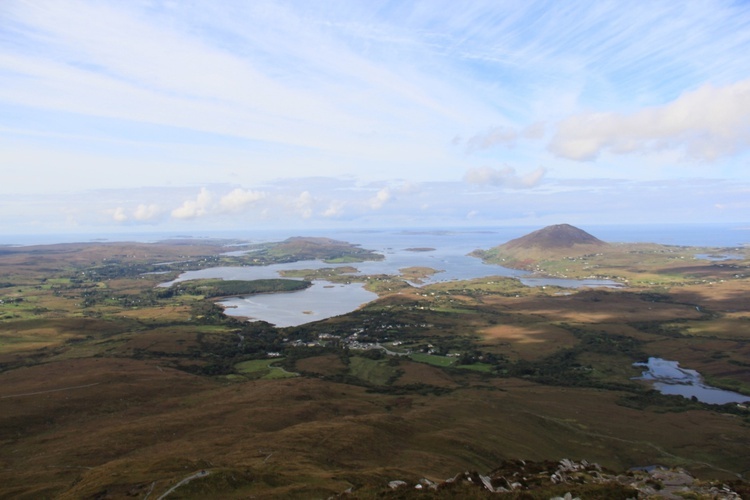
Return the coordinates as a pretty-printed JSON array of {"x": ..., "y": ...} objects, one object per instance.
[{"x": 114, "y": 386}]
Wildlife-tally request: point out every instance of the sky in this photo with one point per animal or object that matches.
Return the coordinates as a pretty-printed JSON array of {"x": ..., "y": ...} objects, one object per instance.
[{"x": 201, "y": 115}]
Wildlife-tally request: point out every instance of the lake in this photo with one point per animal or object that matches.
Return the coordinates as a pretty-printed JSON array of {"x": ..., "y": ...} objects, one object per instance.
[
  {"x": 668, "y": 378},
  {"x": 321, "y": 300}
]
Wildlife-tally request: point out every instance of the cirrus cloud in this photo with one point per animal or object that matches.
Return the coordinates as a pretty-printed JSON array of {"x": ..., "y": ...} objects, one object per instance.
[
  {"x": 506, "y": 177},
  {"x": 501, "y": 136}
]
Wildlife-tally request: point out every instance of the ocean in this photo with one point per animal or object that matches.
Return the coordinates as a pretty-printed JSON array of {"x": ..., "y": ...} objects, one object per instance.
[
  {"x": 448, "y": 254},
  {"x": 710, "y": 235}
]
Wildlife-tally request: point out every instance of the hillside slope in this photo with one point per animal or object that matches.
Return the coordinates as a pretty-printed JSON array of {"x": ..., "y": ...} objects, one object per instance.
[
  {"x": 554, "y": 238},
  {"x": 552, "y": 242}
]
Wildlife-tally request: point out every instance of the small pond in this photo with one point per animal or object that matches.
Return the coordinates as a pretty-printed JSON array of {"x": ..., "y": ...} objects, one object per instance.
[
  {"x": 669, "y": 378},
  {"x": 717, "y": 257}
]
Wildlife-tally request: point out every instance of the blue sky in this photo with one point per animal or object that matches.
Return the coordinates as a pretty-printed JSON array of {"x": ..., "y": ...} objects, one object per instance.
[{"x": 147, "y": 115}]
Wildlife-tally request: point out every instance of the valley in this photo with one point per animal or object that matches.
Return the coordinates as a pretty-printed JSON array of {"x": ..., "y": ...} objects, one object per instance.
[{"x": 113, "y": 386}]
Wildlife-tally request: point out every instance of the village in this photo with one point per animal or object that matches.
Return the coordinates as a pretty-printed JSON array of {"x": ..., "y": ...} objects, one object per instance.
[{"x": 361, "y": 341}]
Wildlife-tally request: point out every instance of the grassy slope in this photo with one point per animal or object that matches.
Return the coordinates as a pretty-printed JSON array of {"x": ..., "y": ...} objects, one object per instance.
[
  {"x": 335, "y": 435},
  {"x": 211, "y": 288},
  {"x": 102, "y": 407}
]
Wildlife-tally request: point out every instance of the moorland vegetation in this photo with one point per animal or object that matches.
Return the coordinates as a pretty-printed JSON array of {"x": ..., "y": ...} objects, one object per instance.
[{"x": 113, "y": 387}]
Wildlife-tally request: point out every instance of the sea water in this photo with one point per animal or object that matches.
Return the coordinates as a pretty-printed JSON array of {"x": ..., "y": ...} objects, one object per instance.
[
  {"x": 448, "y": 255},
  {"x": 710, "y": 235}
]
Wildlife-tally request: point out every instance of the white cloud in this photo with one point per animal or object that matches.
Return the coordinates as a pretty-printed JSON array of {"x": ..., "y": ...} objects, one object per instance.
[
  {"x": 198, "y": 207},
  {"x": 239, "y": 198},
  {"x": 204, "y": 204},
  {"x": 118, "y": 214},
  {"x": 147, "y": 212},
  {"x": 142, "y": 213},
  {"x": 335, "y": 209},
  {"x": 506, "y": 177},
  {"x": 304, "y": 204},
  {"x": 706, "y": 124},
  {"x": 380, "y": 199},
  {"x": 106, "y": 94}
]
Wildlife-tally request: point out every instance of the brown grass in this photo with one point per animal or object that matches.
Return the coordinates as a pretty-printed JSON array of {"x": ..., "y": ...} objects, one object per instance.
[
  {"x": 87, "y": 421},
  {"x": 330, "y": 364},
  {"x": 600, "y": 307},
  {"x": 421, "y": 373},
  {"x": 529, "y": 342},
  {"x": 160, "y": 314},
  {"x": 142, "y": 424}
]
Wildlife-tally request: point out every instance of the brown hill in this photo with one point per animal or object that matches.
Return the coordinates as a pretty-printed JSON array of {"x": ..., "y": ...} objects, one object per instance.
[
  {"x": 552, "y": 238},
  {"x": 550, "y": 243}
]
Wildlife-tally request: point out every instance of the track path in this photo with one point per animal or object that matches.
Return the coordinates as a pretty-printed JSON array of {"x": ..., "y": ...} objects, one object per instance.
[
  {"x": 202, "y": 473},
  {"x": 51, "y": 390}
]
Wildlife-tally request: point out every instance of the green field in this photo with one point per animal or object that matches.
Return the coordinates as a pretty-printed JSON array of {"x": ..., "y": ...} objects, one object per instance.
[
  {"x": 114, "y": 387},
  {"x": 477, "y": 367},
  {"x": 263, "y": 369},
  {"x": 432, "y": 359},
  {"x": 210, "y": 288},
  {"x": 372, "y": 371}
]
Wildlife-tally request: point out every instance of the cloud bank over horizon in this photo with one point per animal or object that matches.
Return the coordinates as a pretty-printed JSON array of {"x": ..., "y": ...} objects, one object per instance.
[{"x": 166, "y": 115}]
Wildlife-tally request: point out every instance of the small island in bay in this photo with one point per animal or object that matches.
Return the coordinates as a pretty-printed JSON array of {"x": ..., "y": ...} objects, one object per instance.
[
  {"x": 417, "y": 274},
  {"x": 96, "y": 346}
]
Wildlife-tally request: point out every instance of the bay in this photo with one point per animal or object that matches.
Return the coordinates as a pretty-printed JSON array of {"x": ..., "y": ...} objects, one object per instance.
[{"x": 448, "y": 256}]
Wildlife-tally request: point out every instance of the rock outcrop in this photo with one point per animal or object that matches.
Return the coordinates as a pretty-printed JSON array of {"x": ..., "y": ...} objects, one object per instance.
[{"x": 568, "y": 480}]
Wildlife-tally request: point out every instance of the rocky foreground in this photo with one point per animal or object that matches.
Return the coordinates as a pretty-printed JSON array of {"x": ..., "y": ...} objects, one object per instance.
[{"x": 568, "y": 480}]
